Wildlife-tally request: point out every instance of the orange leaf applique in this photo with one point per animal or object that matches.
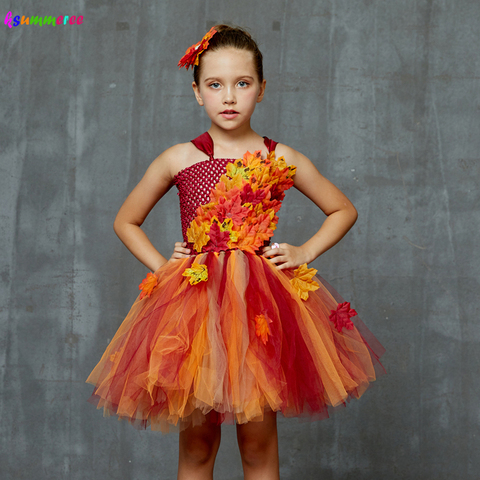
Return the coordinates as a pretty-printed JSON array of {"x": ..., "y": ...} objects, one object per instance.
[
  {"x": 197, "y": 273},
  {"x": 254, "y": 160},
  {"x": 302, "y": 281},
  {"x": 247, "y": 238},
  {"x": 148, "y": 284},
  {"x": 221, "y": 190},
  {"x": 262, "y": 328}
]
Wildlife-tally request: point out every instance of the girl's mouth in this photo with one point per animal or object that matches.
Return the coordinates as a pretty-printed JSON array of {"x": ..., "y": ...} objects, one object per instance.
[{"x": 229, "y": 114}]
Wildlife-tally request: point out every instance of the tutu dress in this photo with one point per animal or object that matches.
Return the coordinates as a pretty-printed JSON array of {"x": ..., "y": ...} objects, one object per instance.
[{"x": 223, "y": 332}]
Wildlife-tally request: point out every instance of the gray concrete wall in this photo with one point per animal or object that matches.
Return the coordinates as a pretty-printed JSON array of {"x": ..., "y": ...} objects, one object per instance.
[{"x": 382, "y": 95}]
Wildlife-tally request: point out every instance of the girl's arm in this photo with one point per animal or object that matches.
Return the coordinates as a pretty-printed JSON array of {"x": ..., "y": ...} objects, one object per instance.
[
  {"x": 341, "y": 214},
  {"x": 151, "y": 188}
]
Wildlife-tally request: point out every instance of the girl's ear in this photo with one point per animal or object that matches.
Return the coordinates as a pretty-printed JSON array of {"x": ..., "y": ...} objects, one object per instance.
[
  {"x": 197, "y": 94},
  {"x": 262, "y": 91}
]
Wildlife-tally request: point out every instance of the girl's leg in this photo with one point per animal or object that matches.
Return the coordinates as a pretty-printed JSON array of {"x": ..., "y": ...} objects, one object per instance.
[
  {"x": 258, "y": 444},
  {"x": 198, "y": 449}
]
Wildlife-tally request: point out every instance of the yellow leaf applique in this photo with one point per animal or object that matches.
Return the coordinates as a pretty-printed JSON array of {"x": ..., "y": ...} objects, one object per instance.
[
  {"x": 302, "y": 281},
  {"x": 197, "y": 234},
  {"x": 197, "y": 273},
  {"x": 237, "y": 168},
  {"x": 236, "y": 181},
  {"x": 227, "y": 225},
  {"x": 254, "y": 160},
  {"x": 262, "y": 328}
]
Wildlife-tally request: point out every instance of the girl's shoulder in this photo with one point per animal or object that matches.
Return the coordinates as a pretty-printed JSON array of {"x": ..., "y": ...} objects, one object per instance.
[
  {"x": 291, "y": 156},
  {"x": 176, "y": 158}
]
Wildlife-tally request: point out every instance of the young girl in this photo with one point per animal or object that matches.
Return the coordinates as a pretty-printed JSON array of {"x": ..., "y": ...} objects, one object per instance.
[{"x": 232, "y": 328}]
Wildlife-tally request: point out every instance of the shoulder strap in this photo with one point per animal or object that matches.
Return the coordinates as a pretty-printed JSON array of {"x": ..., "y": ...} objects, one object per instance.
[
  {"x": 271, "y": 144},
  {"x": 204, "y": 143}
]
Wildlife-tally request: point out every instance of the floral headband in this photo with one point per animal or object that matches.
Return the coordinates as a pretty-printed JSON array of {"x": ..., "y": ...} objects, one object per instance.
[{"x": 192, "y": 53}]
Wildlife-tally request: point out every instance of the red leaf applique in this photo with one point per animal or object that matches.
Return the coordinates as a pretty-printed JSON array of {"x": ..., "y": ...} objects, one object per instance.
[
  {"x": 232, "y": 208},
  {"x": 218, "y": 239},
  {"x": 249, "y": 196},
  {"x": 341, "y": 316}
]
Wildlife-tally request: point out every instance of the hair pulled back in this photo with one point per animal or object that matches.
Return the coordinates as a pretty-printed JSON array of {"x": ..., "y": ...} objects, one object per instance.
[{"x": 236, "y": 37}]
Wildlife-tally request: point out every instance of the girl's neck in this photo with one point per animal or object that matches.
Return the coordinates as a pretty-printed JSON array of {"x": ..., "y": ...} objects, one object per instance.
[{"x": 231, "y": 139}]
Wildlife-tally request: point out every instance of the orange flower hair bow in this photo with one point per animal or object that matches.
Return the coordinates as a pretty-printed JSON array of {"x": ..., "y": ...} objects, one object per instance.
[{"x": 192, "y": 53}]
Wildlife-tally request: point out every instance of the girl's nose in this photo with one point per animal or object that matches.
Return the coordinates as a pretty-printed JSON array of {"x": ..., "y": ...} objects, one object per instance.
[{"x": 229, "y": 95}]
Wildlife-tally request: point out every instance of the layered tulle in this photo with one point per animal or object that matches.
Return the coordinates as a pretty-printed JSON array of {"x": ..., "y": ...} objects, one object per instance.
[{"x": 239, "y": 344}]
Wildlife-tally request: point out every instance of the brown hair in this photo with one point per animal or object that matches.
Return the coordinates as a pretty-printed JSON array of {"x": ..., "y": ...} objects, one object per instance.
[{"x": 236, "y": 37}]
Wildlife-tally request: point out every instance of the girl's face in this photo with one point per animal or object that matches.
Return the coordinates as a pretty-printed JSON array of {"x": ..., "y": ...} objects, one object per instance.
[{"x": 228, "y": 81}]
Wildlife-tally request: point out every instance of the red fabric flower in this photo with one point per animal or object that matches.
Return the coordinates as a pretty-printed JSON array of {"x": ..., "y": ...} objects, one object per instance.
[{"x": 341, "y": 316}]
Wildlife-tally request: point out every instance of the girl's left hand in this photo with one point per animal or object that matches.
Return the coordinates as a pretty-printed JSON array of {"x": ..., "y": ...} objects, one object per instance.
[{"x": 286, "y": 256}]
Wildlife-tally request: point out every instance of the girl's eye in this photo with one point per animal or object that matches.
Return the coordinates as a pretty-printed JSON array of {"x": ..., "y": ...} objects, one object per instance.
[{"x": 216, "y": 83}]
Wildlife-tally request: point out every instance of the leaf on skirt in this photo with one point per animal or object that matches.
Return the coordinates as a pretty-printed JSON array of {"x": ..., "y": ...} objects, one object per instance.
[
  {"x": 262, "y": 328},
  {"x": 341, "y": 316},
  {"x": 148, "y": 284},
  {"x": 197, "y": 273},
  {"x": 302, "y": 281}
]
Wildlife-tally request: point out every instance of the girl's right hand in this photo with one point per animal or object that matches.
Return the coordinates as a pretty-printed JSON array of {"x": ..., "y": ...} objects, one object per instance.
[{"x": 180, "y": 251}]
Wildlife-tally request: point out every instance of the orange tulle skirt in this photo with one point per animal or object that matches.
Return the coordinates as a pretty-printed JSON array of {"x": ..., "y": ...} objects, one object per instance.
[{"x": 190, "y": 350}]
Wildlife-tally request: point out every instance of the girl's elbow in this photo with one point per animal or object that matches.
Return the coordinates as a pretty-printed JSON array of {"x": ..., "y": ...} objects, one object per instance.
[
  {"x": 115, "y": 226},
  {"x": 355, "y": 214},
  {"x": 118, "y": 224}
]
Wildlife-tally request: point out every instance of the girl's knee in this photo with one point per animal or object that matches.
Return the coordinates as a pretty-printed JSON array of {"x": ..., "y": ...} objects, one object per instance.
[
  {"x": 256, "y": 451},
  {"x": 257, "y": 442},
  {"x": 199, "y": 444},
  {"x": 198, "y": 449}
]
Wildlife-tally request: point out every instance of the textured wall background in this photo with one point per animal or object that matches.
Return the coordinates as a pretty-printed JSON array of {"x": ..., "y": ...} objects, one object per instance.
[{"x": 382, "y": 95}]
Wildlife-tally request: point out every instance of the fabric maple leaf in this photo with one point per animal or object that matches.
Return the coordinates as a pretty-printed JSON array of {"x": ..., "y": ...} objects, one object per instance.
[
  {"x": 302, "y": 281},
  {"x": 238, "y": 168},
  {"x": 218, "y": 239},
  {"x": 341, "y": 316},
  {"x": 262, "y": 328},
  {"x": 197, "y": 273},
  {"x": 197, "y": 234},
  {"x": 221, "y": 191},
  {"x": 236, "y": 181},
  {"x": 248, "y": 239},
  {"x": 249, "y": 196},
  {"x": 231, "y": 209},
  {"x": 264, "y": 221},
  {"x": 148, "y": 284}
]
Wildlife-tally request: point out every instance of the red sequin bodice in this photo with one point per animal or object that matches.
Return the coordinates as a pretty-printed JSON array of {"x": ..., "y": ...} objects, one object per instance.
[{"x": 195, "y": 182}]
